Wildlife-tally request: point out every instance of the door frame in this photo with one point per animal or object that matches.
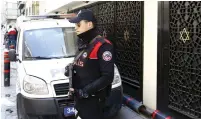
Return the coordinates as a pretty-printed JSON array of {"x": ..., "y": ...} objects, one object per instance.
[
  {"x": 162, "y": 52},
  {"x": 163, "y": 62}
]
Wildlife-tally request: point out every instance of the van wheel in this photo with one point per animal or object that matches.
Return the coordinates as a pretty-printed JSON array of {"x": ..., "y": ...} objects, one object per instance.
[{"x": 20, "y": 110}]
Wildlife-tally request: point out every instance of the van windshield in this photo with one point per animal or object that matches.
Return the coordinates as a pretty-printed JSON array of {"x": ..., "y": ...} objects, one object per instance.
[{"x": 49, "y": 43}]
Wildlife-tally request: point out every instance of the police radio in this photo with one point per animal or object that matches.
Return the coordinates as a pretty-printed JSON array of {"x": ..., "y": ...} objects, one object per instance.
[
  {"x": 70, "y": 95},
  {"x": 68, "y": 73}
]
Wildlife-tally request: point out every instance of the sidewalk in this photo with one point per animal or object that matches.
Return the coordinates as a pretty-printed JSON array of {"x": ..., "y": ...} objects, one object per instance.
[
  {"x": 8, "y": 94},
  {"x": 8, "y": 100}
]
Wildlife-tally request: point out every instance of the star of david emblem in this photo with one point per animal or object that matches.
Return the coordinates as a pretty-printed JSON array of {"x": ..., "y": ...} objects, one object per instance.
[
  {"x": 126, "y": 35},
  {"x": 184, "y": 35},
  {"x": 104, "y": 33}
]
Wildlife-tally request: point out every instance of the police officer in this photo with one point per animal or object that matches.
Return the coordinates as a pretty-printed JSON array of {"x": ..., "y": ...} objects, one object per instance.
[
  {"x": 12, "y": 36},
  {"x": 93, "y": 68}
]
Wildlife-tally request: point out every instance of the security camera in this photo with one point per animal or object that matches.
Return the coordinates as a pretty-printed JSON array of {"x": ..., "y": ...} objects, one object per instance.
[{"x": 85, "y": 1}]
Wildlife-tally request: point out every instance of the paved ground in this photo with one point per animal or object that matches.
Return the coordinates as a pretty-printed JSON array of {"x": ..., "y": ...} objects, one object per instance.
[
  {"x": 8, "y": 97},
  {"x": 8, "y": 94}
]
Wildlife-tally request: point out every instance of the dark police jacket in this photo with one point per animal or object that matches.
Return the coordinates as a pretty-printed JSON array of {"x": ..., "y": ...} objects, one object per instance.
[{"x": 93, "y": 69}]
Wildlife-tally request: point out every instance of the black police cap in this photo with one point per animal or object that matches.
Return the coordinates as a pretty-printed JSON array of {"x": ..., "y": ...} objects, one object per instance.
[{"x": 83, "y": 15}]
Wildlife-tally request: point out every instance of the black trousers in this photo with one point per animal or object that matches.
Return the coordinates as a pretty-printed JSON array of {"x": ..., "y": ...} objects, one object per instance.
[{"x": 90, "y": 108}]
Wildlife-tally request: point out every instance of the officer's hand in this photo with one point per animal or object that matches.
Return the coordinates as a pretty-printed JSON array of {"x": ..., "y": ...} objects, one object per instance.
[
  {"x": 71, "y": 89},
  {"x": 71, "y": 92}
]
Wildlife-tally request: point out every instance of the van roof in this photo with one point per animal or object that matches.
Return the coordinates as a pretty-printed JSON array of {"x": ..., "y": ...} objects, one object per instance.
[{"x": 45, "y": 23}]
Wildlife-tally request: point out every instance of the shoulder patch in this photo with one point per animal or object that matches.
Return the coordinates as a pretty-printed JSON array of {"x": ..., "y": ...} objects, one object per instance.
[
  {"x": 107, "y": 56},
  {"x": 84, "y": 54}
]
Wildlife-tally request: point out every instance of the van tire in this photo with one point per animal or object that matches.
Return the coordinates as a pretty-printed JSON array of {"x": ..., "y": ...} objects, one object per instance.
[{"x": 20, "y": 110}]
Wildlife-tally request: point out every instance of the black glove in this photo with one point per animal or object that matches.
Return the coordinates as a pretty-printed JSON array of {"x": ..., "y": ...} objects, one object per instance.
[
  {"x": 66, "y": 73},
  {"x": 81, "y": 94},
  {"x": 71, "y": 94}
]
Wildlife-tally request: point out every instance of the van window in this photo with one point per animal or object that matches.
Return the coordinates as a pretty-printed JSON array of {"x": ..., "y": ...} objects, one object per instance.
[{"x": 50, "y": 43}]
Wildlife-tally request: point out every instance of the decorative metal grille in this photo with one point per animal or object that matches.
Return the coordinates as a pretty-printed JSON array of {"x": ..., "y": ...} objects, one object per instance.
[
  {"x": 121, "y": 23},
  {"x": 185, "y": 58},
  {"x": 128, "y": 41},
  {"x": 105, "y": 19}
]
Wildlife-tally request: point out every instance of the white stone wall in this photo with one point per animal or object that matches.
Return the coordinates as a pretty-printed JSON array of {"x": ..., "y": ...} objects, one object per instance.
[
  {"x": 9, "y": 13},
  {"x": 11, "y": 10}
]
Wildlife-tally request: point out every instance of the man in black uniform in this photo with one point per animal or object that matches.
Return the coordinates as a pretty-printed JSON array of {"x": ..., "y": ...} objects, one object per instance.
[{"x": 93, "y": 68}]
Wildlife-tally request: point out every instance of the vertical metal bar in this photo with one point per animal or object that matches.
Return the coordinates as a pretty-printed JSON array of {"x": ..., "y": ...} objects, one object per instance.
[
  {"x": 70, "y": 95},
  {"x": 6, "y": 69},
  {"x": 141, "y": 47}
]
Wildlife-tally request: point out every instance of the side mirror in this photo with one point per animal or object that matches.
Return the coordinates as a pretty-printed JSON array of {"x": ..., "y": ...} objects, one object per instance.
[{"x": 12, "y": 55}]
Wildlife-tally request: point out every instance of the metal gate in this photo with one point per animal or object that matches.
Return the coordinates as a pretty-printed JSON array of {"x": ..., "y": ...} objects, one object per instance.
[
  {"x": 122, "y": 23},
  {"x": 179, "y": 59}
]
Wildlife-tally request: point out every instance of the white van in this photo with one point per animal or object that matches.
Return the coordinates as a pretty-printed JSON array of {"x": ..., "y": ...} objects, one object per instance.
[{"x": 44, "y": 47}]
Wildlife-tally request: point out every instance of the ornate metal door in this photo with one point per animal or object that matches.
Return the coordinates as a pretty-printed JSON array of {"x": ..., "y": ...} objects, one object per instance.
[
  {"x": 122, "y": 23},
  {"x": 179, "y": 70}
]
